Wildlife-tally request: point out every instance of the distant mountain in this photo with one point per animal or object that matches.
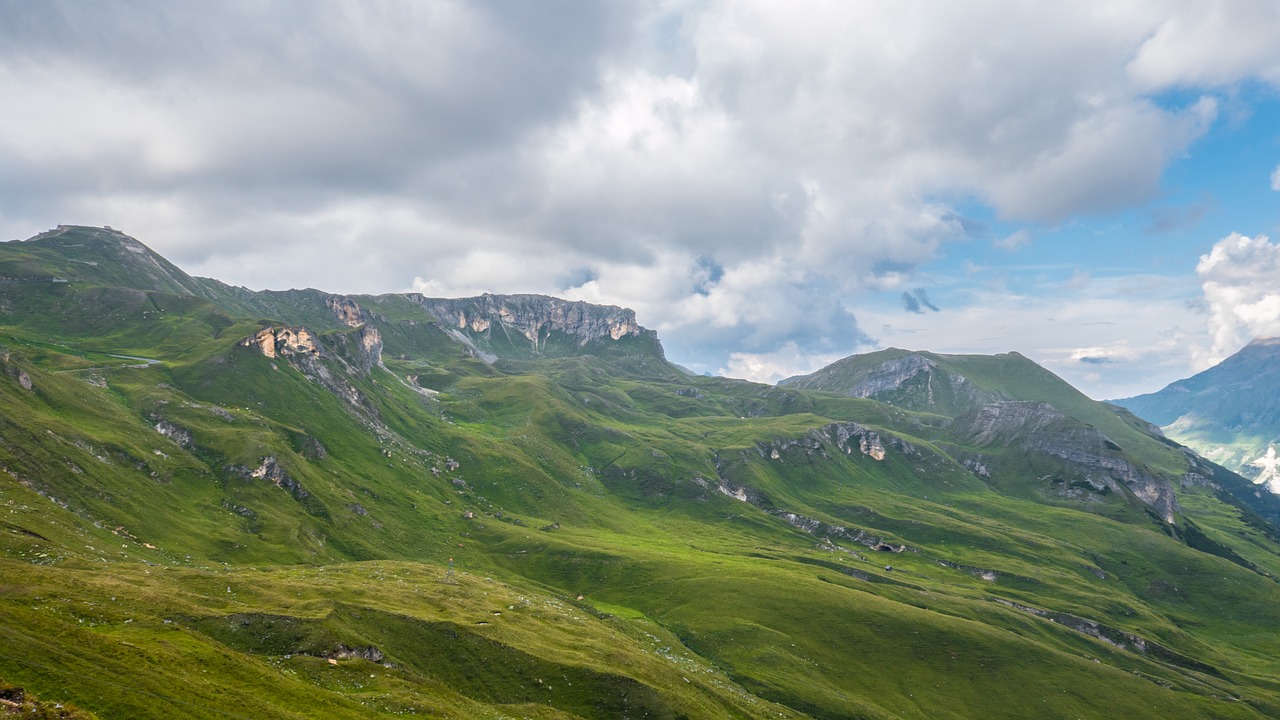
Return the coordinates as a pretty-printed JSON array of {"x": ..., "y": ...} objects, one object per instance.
[
  {"x": 1229, "y": 413},
  {"x": 219, "y": 502},
  {"x": 1010, "y": 411}
]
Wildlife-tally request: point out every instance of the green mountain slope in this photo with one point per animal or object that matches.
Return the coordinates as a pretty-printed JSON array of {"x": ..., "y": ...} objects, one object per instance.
[
  {"x": 1229, "y": 413},
  {"x": 308, "y": 505}
]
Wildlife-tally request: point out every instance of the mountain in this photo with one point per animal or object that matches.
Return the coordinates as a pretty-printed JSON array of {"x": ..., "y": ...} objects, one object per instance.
[
  {"x": 1016, "y": 412},
  {"x": 299, "y": 504},
  {"x": 1229, "y": 413}
]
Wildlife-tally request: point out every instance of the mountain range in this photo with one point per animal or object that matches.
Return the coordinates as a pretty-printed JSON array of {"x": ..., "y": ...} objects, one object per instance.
[
  {"x": 218, "y": 502},
  {"x": 1229, "y": 413}
]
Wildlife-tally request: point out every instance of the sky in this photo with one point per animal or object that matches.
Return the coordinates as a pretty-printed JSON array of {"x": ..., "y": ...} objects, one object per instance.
[{"x": 770, "y": 186}]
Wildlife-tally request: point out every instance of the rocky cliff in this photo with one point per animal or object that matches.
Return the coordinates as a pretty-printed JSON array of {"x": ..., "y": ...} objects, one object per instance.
[
  {"x": 532, "y": 320},
  {"x": 1090, "y": 463}
]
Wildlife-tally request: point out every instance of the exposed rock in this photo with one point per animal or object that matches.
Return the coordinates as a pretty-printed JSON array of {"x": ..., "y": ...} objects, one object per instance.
[
  {"x": 845, "y": 436},
  {"x": 177, "y": 434},
  {"x": 372, "y": 654},
  {"x": 891, "y": 375},
  {"x": 1113, "y": 636},
  {"x": 837, "y": 532},
  {"x": 1041, "y": 428},
  {"x": 270, "y": 469},
  {"x": 533, "y": 317},
  {"x": 1009, "y": 421},
  {"x": 284, "y": 341},
  {"x": 370, "y": 346},
  {"x": 346, "y": 310}
]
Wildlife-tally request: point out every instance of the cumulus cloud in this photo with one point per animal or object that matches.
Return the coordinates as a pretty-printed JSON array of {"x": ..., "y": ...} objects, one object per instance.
[
  {"x": 1210, "y": 43},
  {"x": 787, "y": 361},
  {"x": 738, "y": 172},
  {"x": 1238, "y": 277}
]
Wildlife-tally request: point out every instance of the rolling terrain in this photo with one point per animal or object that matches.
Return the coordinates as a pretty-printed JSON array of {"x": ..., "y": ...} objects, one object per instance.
[{"x": 224, "y": 503}]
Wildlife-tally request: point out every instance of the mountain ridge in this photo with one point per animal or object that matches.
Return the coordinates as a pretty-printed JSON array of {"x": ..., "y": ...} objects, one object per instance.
[
  {"x": 307, "y": 504},
  {"x": 1228, "y": 412}
]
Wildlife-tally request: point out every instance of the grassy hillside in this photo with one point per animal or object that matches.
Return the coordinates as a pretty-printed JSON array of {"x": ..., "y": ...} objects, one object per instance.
[{"x": 388, "y": 524}]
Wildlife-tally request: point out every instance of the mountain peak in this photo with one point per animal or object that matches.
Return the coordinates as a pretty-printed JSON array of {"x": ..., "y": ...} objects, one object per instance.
[
  {"x": 1269, "y": 342},
  {"x": 97, "y": 256},
  {"x": 1228, "y": 412}
]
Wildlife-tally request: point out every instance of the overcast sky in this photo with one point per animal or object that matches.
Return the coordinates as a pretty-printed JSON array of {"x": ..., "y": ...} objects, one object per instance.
[{"x": 769, "y": 185}]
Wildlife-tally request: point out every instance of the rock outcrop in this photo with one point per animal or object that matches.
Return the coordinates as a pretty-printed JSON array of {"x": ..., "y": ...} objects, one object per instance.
[
  {"x": 1091, "y": 457},
  {"x": 273, "y": 342},
  {"x": 532, "y": 317},
  {"x": 847, "y": 437},
  {"x": 346, "y": 310}
]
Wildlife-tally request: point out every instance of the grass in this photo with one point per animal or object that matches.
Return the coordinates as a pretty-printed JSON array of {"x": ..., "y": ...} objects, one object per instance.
[{"x": 306, "y": 510}]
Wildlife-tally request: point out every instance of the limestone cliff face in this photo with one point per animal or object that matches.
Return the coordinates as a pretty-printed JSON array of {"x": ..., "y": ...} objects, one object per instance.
[
  {"x": 533, "y": 318},
  {"x": 273, "y": 342}
]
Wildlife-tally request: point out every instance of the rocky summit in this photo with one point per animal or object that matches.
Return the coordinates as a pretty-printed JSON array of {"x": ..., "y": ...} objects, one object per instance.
[{"x": 220, "y": 502}]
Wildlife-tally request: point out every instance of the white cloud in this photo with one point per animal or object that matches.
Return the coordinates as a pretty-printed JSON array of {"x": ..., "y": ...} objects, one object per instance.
[
  {"x": 1238, "y": 277},
  {"x": 1111, "y": 337},
  {"x": 787, "y": 361},
  {"x": 1214, "y": 42},
  {"x": 1275, "y": 179},
  {"x": 730, "y": 169},
  {"x": 1013, "y": 241}
]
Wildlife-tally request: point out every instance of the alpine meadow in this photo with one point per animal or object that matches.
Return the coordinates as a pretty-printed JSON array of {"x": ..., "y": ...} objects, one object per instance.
[
  {"x": 225, "y": 503},
  {"x": 639, "y": 360}
]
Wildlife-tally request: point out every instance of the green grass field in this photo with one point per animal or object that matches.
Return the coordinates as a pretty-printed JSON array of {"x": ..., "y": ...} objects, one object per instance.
[{"x": 587, "y": 533}]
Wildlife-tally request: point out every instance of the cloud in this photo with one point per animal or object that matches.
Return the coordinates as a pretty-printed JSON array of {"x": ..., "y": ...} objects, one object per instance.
[
  {"x": 1210, "y": 43},
  {"x": 1238, "y": 278},
  {"x": 1168, "y": 219},
  {"x": 917, "y": 301},
  {"x": 787, "y": 361},
  {"x": 1013, "y": 241},
  {"x": 1139, "y": 347},
  {"x": 740, "y": 173},
  {"x": 1275, "y": 179}
]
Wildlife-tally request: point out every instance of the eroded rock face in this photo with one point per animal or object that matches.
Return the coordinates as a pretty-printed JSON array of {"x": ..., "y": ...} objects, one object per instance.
[
  {"x": 1041, "y": 428},
  {"x": 891, "y": 375},
  {"x": 175, "y": 433},
  {"x": 273, "y": 342},
  {"x": 271, "y": 469},
  {"x": 847, "y": 437},
  {"x": 371, "y": 345},
  {"x": 534, "y": 317},
  {"x": 1006, "y": 422},
  {"x": 346, "y": 310}
]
